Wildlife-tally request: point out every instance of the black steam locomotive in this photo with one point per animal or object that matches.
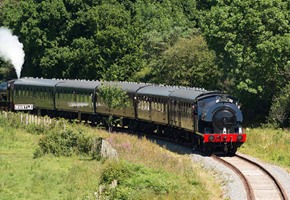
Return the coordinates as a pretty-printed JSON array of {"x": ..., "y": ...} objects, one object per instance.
[{"x": 208, "y": 119}]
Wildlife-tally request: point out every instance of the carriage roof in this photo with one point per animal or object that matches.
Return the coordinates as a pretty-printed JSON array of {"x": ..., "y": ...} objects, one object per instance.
[{"x": 36, "y": 82}]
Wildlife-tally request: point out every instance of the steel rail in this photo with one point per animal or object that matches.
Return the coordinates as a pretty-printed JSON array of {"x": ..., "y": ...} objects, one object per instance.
[
  {"x": 248, "y": 187},
  {"x": 283, "y": 193}
]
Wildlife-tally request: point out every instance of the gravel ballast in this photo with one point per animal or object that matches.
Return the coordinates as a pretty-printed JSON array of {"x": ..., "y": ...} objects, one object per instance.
[{"x": 231, "y": 184}]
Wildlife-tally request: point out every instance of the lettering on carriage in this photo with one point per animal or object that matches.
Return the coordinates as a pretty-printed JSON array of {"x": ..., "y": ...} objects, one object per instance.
[
  {"x": 23, "y": 107},
  {"x": 77, "y": 105}
]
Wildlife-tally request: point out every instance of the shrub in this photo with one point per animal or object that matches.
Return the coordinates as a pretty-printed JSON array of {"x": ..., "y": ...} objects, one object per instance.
[
  {"x": 3, "y": 120},
  {"x": 280, "y": 109},
  {"x": 10, "y": 119},
  {"x": 135, "y": 180},
  {"x": 64, "y": 143},
  {"x": 35, "y": 129}
]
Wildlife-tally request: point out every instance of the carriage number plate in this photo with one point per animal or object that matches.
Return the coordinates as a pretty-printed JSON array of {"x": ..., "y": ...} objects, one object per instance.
[{"x": 23, "y": 107}]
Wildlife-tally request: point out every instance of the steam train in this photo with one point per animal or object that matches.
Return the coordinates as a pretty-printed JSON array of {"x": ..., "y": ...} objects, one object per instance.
[{"x": 210, "y": 120}]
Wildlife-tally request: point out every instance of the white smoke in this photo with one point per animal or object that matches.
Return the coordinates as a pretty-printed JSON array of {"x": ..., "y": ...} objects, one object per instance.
[{"x": 11, "y": 50}]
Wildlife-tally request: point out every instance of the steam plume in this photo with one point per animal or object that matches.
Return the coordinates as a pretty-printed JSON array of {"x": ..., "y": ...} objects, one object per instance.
[{"x": 11, "y": 50}]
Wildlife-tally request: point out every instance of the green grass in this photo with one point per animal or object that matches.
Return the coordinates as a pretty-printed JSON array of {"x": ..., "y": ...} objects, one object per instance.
[
  {"x": 139, "y": 182},
  {"x": 48, "y": 177},
  {"x": 268, "y": 144},
  {"x": 143, "y": 171},
  {"x": 194, "y": 182}
]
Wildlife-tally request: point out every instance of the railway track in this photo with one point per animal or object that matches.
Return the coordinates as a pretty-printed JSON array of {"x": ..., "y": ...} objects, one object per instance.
[{"x": 258, "y": 182}]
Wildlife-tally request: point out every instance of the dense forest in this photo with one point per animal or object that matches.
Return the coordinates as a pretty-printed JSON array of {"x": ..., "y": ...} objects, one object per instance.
[{"x": 240, "y": 47}]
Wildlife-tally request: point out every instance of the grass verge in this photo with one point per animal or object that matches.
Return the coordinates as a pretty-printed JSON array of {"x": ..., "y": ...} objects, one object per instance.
[
  {"x": 268, "y": 144},
  {"x": 143, "y": 171}
]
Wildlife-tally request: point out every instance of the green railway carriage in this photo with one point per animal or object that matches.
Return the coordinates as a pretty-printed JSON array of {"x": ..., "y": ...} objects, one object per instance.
[
  {"x": 76, "y": 96},
  {"x": 31, "y": 93},
  {"x": 210, "y": 119},
  {"x": 130, "y": 89},
  {"x": 153, "y": 103},
  {"x": 182, "y": 108}
]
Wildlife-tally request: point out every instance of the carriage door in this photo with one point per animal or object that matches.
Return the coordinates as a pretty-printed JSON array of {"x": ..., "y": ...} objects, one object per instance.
[
  {"x": 174, "y": 112},
  {"x": 179, "y": 112}
]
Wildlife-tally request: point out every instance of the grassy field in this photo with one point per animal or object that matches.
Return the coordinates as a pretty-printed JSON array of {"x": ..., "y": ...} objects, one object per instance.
[
  {"x": 268, "y": 144},
  {"x": 143, "y": 171},
  {"x": 48, "y": 177}
]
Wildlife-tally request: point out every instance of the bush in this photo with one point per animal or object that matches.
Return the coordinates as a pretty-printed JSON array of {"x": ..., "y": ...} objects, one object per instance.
[
  {"x": 136, "y": 181},
  {"x": 64, "y": 143},
  {"x": 280, "y": 109},
  {"x": 10, "y": 119},
  {"x": 36, "y": 129},
  {"x": 3, "y": 120}
]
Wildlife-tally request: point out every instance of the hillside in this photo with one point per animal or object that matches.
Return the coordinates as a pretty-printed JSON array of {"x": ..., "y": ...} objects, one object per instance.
[{"x": 143, "y": 169}]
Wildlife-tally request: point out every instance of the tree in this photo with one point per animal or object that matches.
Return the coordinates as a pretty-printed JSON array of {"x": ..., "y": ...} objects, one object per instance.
[
  {"x": 161, "y": 23},
  {"x": 280, "y": 109},
  {"x": 251, "y": 40},
  {"x": 113, "y": 97},
  {"x": 188, "y": 62},
  {"x": 111, "y": 40},
  {"x": 75, "y": 39}
]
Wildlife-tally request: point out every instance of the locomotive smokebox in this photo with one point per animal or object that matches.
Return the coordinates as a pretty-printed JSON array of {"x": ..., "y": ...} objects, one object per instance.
[{"x": 224, "y": 119}]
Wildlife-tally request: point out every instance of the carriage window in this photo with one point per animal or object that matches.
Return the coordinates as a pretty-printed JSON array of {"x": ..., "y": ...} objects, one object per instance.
[
  {"x": 84, "y": 97},
  {"x": 158, "y": 105}
]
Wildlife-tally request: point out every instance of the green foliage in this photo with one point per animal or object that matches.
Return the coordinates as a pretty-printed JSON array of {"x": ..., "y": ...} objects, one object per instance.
[
  {"x": 139, "y": 40},
  {"x": 64, "y": 143},
  {"x": 59, "y": 139},
  {"x": 273, "y": 145},
  {"x": 7, "y": 139},
  {"x": 109, "y": 40},
  {"x": 21, "y": 120},
  {"x": 162, "y": 23},
  {"x": 113, "y": 96},
  {"x": 11, "y": 120},
  {"x": 251, "y": 40},
  {"x": 36, "y": 129},
  {"x": 75, "y": 39},
  {"x": 132, "y": 178},
  {"x": 280, "y": 109},
  {"x": 75, "y": 177},
  {"x": 189, "y": 63},
  {"x": 48, "y": 177}
]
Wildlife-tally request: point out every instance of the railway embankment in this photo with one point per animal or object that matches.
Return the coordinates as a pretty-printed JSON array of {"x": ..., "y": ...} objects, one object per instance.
[
  {"x": 270, "y": 145},
  {"x": 143, "y": 169}
]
